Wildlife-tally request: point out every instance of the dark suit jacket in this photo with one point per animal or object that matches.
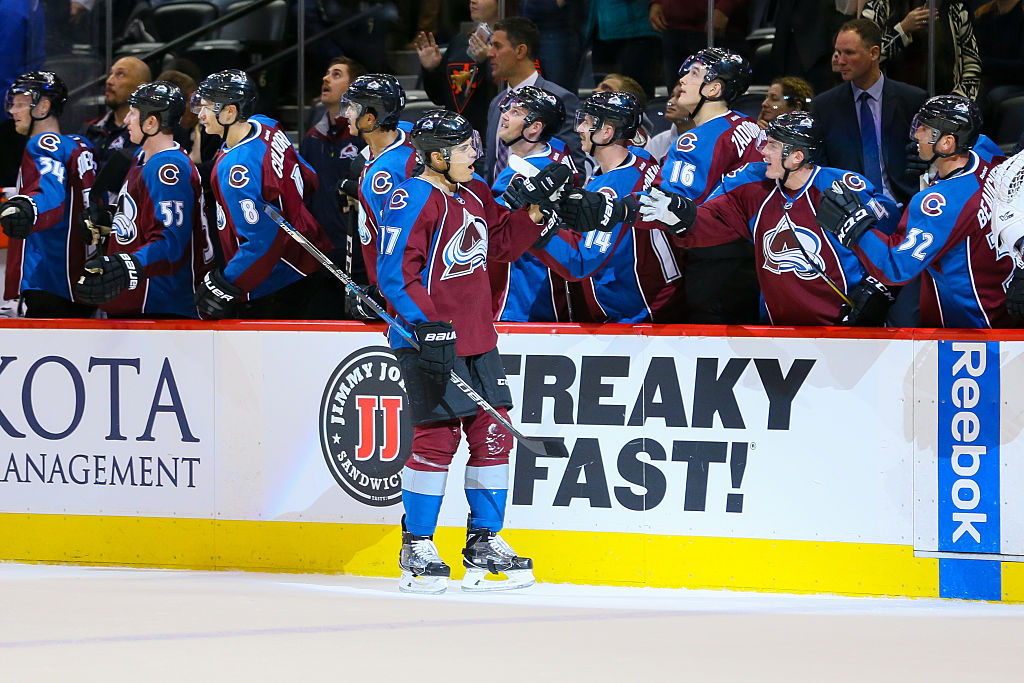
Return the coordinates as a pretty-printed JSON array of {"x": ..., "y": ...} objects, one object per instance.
[
  {"x": 835, "y": 112},
  {"x": 567, "y": 134}
]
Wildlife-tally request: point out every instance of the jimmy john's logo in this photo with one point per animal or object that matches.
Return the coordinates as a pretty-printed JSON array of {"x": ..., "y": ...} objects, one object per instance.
[{"x": 365, "y": 431}]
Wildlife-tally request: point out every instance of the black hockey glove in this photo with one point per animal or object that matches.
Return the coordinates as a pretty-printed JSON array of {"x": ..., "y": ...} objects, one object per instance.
[
  {"x": 107, "y": 276},
  {"x": 216, "y": 297},
  {"x": 1015, "y": 295},
  {"x": 552, "y": 224},
  {"x": 17, "y": 216},
  {"x": 437, "y": 349},
  {"x": 842, "y": 213},
  {"x": 916, "y": 166},
  {"x": 583, "y": 210},
  {"x": 871, "y": 301},
  {"x": 94, "y": 224},
  {"x": 356, "y": 306},
  {"x": 347, "y": 191},
  {"x": 543, "y": 189},
  {"x": 676, "y": 212}
]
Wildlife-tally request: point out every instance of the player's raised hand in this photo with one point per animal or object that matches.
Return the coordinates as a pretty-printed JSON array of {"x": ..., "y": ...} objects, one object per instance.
[
  {"x": 17, "y": 216},
  {"x": 842, "y": 213},
  {"x": 583, "y": 210},
  {"x": 674, "y": 211},
  {"x": 107, "y": 276},
  {"x": 543, "y": 189}
]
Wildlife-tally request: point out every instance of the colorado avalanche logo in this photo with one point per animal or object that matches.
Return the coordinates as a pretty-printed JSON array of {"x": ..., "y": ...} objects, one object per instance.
[
  {"x": 467, "y": 249},
  {"x": 782, "y": 252},
  {"x": 222, "y": 220},
  {"x": 365, "y": 431},
  {"x": 932, "y": 204},
  {"x": 687, "y": 142},
  {"x": 854, "y": 182},
  {"x": 124, "y": 227},
  {"x": 168, "y": 174},
  {"x": 364, "y": 234},
  {"x": 49, "y": 142},
  {"x": 238, "y": 176},
  {"x": 381, "y": 182}
]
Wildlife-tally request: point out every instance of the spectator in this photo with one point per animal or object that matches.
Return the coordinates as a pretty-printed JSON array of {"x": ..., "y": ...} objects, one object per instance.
[
  {"x": 622, "y": 40},
  {"x": 865, "y": 120},
  {"x": 45, "y": 254},
  {"x": 681, "y": 122},
  {"x": 331, "y": 148},
  {"x": 999, "y": 29},
  {"x": 21, "y": 51},
  {"x": 683, "y": 26},
  {"x": 109, "y": 133},
  {"x": 560, "y": 23},
  {"x": 460, "y": 79},
  {"x": 904, "y": 51},
  {"x": 785, "y": 94},
  {"x": 513, "y": 50}
]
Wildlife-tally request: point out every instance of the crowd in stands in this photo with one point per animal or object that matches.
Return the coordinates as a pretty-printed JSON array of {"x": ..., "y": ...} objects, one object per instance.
[{"x": 848, "y": 197}]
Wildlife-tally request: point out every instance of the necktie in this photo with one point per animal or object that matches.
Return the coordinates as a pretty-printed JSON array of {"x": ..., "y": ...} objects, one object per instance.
[
  {"x": 869, "y": 143},
  {"x": 500, "y": 158}
]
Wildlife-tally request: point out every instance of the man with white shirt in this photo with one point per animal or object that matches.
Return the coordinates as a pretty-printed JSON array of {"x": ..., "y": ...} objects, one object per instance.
[{"x": 512, "y": 53}]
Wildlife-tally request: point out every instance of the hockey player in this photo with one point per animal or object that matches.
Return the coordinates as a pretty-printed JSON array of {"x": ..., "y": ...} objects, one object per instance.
[
  {"x": 629, "y": 276},
  {"x": 372, "y": 106},
  {"x": 805, "y": 274},
  {"x": 945, "y": 233},
  {"x": 45, "y": 253},
  {"x": 440, "y": 230},
  {"x": 158, "y": 246},
  {"x": 720, "y": 281},
  {"x": 526, "y": 290},
  {"x": 266, "y": 274}
]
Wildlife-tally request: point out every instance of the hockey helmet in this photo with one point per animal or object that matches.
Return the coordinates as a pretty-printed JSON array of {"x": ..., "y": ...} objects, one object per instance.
[
  {"x": 231, "y": 86},
  {"x": 438, "y": 130},
  {"x": 950, "y": 115},
  {"x": 540, "y": 106},
  {"x": 379, "y": 94},
  {"x": 38, "y": 84},
  {"x": 722, "y": 65},
  {"x": 161, "y": 99},
  {"x": 796, "y": 130},
  {"x": 621, "y": 109}
]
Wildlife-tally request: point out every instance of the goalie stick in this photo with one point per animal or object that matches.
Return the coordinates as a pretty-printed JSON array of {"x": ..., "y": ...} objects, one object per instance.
[{"x": 550, "y": 447}]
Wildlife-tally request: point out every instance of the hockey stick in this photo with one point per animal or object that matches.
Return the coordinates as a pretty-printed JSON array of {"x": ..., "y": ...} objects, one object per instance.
[{"x": 552, "y": 447}]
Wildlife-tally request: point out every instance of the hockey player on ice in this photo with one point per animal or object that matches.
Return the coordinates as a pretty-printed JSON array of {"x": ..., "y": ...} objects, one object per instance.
[
  {"x": 157, "y": 245},
  {"x": 45, "y": 254},
  {"x": 439, "y": 232},
  {"x": 806, "y": 275},
  {"x": 372, "y": 105},
  {"x": 526, "y": 290},
  {"x": 945, "y": 233}
]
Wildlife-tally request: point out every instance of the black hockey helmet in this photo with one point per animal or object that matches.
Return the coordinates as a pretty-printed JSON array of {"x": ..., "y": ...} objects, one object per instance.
[
  {"x": 796, "y": 130},
  {"x": 39, "y": 84},
  {"x": 950, "y": 115},
  {"x": 722, "y": 65},
  {"x": 161, "y": 99},
  {"x": 438, "y": 130},
  {"x": 621, "y": 109},
  {"x": 541, "y": 106},
  {"x": 379, "y": 94},
  {"x": 231, "y": 86}
]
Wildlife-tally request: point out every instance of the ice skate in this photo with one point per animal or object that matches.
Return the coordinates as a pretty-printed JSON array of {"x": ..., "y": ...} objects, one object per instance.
[
  {"x": 423, "y": 570},
  {"x": 492, "y": 565}
]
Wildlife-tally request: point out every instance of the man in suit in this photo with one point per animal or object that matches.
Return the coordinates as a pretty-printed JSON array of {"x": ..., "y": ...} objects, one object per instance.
[
  {"x": 512, "y": 53},
  {"x": 865, "y": 121}
]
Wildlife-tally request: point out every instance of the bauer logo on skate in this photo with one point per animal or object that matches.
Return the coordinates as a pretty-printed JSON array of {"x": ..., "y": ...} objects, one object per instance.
[{"x": 365, "y": 432}]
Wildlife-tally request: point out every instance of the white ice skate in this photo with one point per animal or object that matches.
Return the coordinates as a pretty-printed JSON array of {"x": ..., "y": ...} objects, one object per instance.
[
  {"x": 423, "y": 570},
  {"x": 492, "y": 565}
]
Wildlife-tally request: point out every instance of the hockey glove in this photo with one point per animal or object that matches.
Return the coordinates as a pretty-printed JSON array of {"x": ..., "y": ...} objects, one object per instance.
[
  {"x": 215, "y": 297},
  {"x": 94, "y": 224},
  {"x": 674, "y": 211},
  {"x": 552, "y": 224},
  {"x": 583, "y": 210},
  {"x": 437, "y": 349},
  {"x": 842, "y": 213},
  {"x": 543, "y": 189},
  {"x": 915, "y": 164},
  {"x": 17, "y": 217},
  {"x": 347, "y": 191},
  {"x": 1015, "y": 295},
  {"x": 358, "y": 309},
  {"x": 107, "y": 276},
  {"x": 871, "y": 301}
]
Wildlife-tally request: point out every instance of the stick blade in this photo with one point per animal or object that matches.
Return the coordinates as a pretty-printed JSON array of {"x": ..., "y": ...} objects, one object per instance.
[{"x": 549, "y": 446}]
